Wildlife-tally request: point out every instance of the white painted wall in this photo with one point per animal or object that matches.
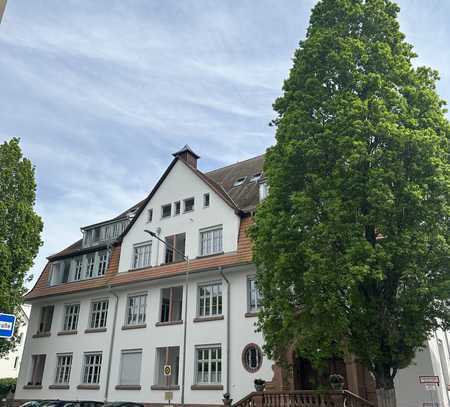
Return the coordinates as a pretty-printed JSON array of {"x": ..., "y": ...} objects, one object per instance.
[
  {"x": 148, "y": 339},
  {"x": 7, "y": 363},
  {"x": 181, "y": 183},
  {"x": 411, "y": 393}
]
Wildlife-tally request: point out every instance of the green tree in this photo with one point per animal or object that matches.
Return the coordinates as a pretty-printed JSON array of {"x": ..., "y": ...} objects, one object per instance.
[
  {"x": 20, "y": 229},
  {"x": 352, "y": 243}
]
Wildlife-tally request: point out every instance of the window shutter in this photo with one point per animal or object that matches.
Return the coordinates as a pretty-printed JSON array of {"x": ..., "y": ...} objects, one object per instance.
[{"x": 131, "y": 368}]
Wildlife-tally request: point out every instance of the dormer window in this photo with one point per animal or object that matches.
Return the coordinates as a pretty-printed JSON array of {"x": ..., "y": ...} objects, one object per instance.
[
  {"x": 256, "y": 177},
  {"x": 239, "y": 181},
  {"x": 166, "y": 211},
  {"x": 263, "y": 191}
]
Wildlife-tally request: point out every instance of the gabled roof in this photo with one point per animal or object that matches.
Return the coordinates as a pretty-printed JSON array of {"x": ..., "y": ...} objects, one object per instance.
[
  {"x": 243, "y": 198},
  {"x": 185, "y": 149}
]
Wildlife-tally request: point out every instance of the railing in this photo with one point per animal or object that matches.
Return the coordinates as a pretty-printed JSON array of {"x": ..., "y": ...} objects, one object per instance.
[{"x": 304, "y": 398}]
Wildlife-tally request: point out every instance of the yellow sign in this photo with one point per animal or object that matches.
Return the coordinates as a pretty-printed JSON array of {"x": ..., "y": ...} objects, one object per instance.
[
  {"x": 167, "y": 370},
  {"x": 168, "y": 395}
]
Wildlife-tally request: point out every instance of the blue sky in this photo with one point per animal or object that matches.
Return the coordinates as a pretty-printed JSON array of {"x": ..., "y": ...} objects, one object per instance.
[{"x": 102, "y": 92}]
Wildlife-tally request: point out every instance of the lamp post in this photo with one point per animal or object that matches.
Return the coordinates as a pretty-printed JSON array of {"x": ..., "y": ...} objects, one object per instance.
[{"x": 186, "y": 258}]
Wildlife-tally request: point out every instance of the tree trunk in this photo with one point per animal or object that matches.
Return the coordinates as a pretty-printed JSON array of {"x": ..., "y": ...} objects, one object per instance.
[{"x": 386, "y": 397}]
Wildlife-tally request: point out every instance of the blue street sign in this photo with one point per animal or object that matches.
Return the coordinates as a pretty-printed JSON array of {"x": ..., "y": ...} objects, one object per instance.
[{"x": 7, "y": 322}]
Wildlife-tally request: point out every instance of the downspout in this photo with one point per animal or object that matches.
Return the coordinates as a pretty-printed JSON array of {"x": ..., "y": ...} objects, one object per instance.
[
  {"x": 228, "y": 329},
  {"x": 183, "y": 377},
  {"x": 111, "y": 343}
]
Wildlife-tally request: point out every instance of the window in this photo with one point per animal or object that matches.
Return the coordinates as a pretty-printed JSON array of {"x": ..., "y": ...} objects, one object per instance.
[
  {"x": 252, "y": 358},
  {"x": 167, "y": 356},
  {"x": 189, "y": 204},
  {"x": 142, "y": 255},
  {"x": 136, "y": 309},
  {"x": 92, "y": 367},
  {"x": 66, "y": 271},
  {"x": 78, "y": 268},
  {"x": 56, "y": 274},
  {"x": 175, "y": 246},
  {"x": 177, "y": 208},
  {"x": 205, "y": 200},
  {"x": 166, "y": 211},
  {"x": 263, "y": 191},
  {"x": 102, "y": 263},
  {"x": 149, "y": 215},
  {"x": 63, "y": 367},
  {"x": 99, "y": 313},
  {"x": 210, "y": 300},
  {"x": 253, "y": 295},
  {"x": 209, "y": 365},
  {"x": 37, "y": 370},
  {"x": 171, "y": 304},
  {"x": 90, "y": 266},
  {"x": 256, "y": 177},
  {"x": 45, "y": 323},
  {"x": 130, "y": 367},
  {"x": 71, "y": 313},
  {"x": 239, "y": 181},
  {"x": 211, "y": 241}
]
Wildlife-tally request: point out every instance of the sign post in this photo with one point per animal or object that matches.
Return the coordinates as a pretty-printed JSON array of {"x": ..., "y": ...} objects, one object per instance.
[
  {"x": 431, "y": 383},
  {"x": 7, "y": 322},
  {"x": 168, "y": 395}
]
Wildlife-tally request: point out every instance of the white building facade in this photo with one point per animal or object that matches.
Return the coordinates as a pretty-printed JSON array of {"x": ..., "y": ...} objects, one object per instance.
[{"x": 184, "y": 298}]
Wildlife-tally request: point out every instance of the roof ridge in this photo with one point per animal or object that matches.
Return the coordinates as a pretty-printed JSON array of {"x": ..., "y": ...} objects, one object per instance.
[{"x": 236, "y": 163}]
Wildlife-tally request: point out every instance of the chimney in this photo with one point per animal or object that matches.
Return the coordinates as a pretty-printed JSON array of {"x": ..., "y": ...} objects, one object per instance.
[{"x": 187, "y": 155}]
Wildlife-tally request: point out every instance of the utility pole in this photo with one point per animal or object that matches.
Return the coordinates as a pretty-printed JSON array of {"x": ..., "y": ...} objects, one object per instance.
[{"x": 2, "y": 8}]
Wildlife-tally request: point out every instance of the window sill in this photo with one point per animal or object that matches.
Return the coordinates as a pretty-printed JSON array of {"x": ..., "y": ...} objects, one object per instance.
[
  {"x": 137, "y": 326},
  {"x": 251, "y": 314},
  {"x": 205, "y": 256},
  {"x": 59, "y": 386},
  {"x": 32, "y": 387},
  {"x": 88, "y": 387},
  {"x": 206, "y": 387},
  {"x": 62, "y": 333},
  {"x": 41, "y": 335},
  {"x": 160, "y": 387},
  {"x": 169, "y": 323},
  {"x": 206, "y": 319},
  {"x": 93, "y": 330},
  {"x": 128, "y": 387}
]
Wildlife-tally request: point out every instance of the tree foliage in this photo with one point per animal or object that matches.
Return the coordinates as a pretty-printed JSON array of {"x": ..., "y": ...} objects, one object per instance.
[
  {"x": 20, "y": 228},
  {"x": 352, "y": 243}
]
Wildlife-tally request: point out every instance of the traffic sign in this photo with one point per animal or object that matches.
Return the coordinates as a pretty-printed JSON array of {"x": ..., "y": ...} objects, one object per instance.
[
  {"x": 7, "y": 322},
  {"x": 167, "y": 370},
  {"x": 429, "y": 379}
]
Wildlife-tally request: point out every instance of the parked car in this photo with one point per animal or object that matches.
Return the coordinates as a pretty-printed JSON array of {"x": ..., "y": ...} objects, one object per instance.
[
  {"x": 35, "y": 403},
  {"x": 123, "y": 404}
]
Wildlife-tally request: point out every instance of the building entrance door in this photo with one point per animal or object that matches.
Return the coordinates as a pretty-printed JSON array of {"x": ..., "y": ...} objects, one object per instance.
[{"x": 306, "y": 377}]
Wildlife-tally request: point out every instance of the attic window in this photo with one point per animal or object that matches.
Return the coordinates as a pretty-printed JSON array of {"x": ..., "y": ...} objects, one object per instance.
[
  {"x": 166, "y": 211},
  {"x": 255, "y": 177},
  {"x": 239, "y": 181}
]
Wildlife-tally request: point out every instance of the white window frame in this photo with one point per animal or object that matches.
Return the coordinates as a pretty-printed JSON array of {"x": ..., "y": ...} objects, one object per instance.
[
  {"x": 211, "y": 230},
  {"x": 141, "y": 309},
  {"x": 71, "y": 318},
  {"x": 92, "y": 323},
  {"x": 127, "y": 352},
  {"x": 78, "y": 268},
  {"x": 63, "y": 368},
  {"x": 102, "y": 263},
  {"x": 251, "y": 292},
  {"x": 215, "y": 292},
  {"x": 175, "y": 204},
  {"x": 136, "y": 248},
  {"x": 90, "y": 266},
  {"x": 206, "y": 197},
  {"x": 162, "y": 211},
  {"x": 184, "y": 205},
  {"x": 89, "y": 365},
  {"x": 209, "y": 361}
]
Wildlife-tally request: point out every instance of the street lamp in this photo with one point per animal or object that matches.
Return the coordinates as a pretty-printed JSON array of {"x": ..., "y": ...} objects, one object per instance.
[{"x": 186, "y": 258}]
